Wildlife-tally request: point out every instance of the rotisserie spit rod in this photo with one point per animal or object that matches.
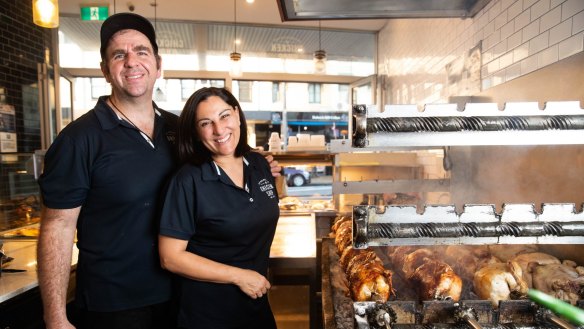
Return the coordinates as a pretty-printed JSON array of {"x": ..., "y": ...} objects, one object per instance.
[
  {"x": 559, "y": 322},
  {"x": 478, "y": 224},
  {"x": 443, "y": 124},
  {"x": 519, "y": 314},
  {"x": 544, "y": 317},
  {"x": 568, "y": 311},
  {"x": 478, "y": 124},
  {"x": 465, "y": 314},
  {"x": 449, "y": 230}
]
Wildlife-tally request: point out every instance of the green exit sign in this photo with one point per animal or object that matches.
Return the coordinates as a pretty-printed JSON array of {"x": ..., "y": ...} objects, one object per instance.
[{"x": 94, "y": 13}]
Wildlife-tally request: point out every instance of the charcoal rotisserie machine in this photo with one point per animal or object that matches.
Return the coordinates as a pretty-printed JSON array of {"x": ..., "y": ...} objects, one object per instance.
[{"x": 445, "y": 126}]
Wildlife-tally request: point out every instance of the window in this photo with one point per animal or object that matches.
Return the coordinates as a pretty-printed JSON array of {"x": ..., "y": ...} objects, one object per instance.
[
  {"x": 189, "y": 86},
  {"x": 314, "y": 93},
  {"x": 275, "y": 92},
  {"x": 160, "y": 90},
  {"x": 99, "y": 87},
  {"x": 344, "y": 93},
  {"x": 245, "y": 88}
]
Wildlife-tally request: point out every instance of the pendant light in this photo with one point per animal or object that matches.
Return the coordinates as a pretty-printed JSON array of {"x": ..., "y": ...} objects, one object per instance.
[
  {"x": 45, "y": 13},
  {"x": 319, "y": 56},
  {"x": 155, "y": 5},
  {"x": 235, "y": 57}
]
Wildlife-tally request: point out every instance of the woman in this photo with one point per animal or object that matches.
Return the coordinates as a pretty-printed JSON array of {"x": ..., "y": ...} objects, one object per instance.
[{"x": 219, "y": 218}]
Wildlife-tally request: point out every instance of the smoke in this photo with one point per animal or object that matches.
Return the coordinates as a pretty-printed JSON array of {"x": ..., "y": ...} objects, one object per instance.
[{"x": 517, "y": 174}]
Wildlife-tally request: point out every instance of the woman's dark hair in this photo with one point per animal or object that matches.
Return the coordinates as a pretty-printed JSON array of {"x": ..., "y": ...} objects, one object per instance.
[{"x": 190, "y": 147}]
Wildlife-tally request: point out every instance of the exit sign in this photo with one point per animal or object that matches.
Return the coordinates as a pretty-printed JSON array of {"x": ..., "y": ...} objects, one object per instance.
[{"x": 94, "y": 13}]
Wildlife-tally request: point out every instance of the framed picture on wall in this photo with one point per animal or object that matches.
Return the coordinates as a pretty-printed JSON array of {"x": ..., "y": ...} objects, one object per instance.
[
  {"x": 7, "y": 129},
  {"x": 464, "y": 73}
]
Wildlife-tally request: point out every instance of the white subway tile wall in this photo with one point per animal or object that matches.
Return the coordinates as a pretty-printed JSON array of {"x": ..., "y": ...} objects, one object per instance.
[
  {"x": 571, "y": 46},
  {"x": 578, "y": 22},
  {"x": 516, "y": 37}
]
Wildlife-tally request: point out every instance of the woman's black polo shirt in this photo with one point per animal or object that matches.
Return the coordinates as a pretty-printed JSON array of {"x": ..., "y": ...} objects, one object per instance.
[{"x": 226, "y": 224}]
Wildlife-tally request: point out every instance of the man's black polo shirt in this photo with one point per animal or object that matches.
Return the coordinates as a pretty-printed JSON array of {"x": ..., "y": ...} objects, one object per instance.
[{"x": 107, "y": 167}]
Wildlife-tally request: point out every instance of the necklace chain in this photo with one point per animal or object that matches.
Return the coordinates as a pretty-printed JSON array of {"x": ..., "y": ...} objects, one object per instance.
[{"x": 130, "y": 121}]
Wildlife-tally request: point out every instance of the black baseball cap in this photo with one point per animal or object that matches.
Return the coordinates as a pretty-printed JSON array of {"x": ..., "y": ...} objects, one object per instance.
[{"x": 126, "y": 21}]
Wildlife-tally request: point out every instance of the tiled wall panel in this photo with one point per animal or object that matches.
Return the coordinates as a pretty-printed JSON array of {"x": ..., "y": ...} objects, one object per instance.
[
  {"x": 516, "y": 37},
  {"x": 22, "y": 46}
]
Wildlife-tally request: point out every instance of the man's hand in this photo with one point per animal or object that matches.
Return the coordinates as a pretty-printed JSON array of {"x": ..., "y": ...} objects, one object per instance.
[
  {"x": 54, "y": 250},
  {"x": 274, "y": 166}
]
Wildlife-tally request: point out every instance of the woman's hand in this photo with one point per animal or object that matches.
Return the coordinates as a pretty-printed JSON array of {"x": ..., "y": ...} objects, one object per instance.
[
  {"x": 252, "y": 283},
  {"x": 175, "y": 258}
]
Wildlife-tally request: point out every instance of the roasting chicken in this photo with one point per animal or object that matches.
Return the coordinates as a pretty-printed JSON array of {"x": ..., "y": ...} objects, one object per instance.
[
  {"x": 343, "y": 236},
  {"x": 368, "y": 279},
  {"x": 500, "y": 281},
  {"x": 433, "y": 278},
  {"x": 338, "y": 221},
  {"x": 397, "y": 255},
  {"x": 494, "y": 272},
  {"x": 436, "y": 280},
  {"x": 466, "y": 259},
  {"x": 540, "y": 258},
  {"x": 564, "y": 281},
  {"x": 413, "y": 260},
  {"x": 506, "y": 252}
]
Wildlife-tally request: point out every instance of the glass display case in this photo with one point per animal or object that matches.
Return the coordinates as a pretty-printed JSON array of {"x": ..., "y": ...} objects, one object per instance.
[
  {"x": 19, "y": 195},
  {"x": 306, "y": 181}
]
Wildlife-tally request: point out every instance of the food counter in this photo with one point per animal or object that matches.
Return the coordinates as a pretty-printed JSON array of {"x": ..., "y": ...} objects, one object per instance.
[
  {"x": 20, "y": 303},
  {"x": 13, "y": 284},
  {"x": 24, "y": 254},
  {"x": 293, "y": 257},
  {"x": 295, "y": 239},
  {"x": 292, "y": 262}
]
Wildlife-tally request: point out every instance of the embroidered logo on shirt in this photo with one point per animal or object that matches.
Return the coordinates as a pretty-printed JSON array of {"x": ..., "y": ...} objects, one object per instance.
[
  {"x": 267, "y": 187},
  {"x": 170, "y": 137}
]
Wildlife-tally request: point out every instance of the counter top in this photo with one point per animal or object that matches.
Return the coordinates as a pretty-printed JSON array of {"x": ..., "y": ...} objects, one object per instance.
[
  {"x": 295, "y": 239},
  {"x": 24, "y": 254}
]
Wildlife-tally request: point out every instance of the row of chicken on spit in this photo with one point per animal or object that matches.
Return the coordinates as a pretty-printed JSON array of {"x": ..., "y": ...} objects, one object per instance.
[{"x": 487, "y": 272}]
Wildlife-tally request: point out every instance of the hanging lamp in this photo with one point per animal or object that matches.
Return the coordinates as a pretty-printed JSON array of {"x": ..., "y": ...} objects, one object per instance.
[
  {"x": 45, "y": 13},
  {"x": 319, "y": 56},
  {"x": 155, "y": 5},
  {"x": 235, "y": 57}
]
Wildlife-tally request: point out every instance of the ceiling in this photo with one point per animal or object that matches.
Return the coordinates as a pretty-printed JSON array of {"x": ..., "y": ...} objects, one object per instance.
[
  {"x": 382, "y": 9},
  {"x": 261, "y": 12},
  {"x": 355, "y": 17},
  {"x": 215, "y": 38}
]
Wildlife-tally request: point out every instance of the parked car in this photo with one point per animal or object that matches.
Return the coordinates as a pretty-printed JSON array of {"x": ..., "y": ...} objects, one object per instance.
[{"x": 296, "y": 177}]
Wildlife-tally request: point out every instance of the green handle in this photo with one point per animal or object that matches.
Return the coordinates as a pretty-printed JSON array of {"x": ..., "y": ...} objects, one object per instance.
[{"x": 568, "y": 311}]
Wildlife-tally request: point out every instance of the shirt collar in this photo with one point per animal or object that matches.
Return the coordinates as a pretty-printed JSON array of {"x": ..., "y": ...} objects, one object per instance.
[
  {"x": 107, "y": 117},
  {"x": 212, "y": 171},
  {"x": 218, "y": 170}
]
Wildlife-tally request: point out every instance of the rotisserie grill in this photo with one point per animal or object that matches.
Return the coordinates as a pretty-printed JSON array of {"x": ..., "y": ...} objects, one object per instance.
[
  {"x": 494, "y": 297},
  {"x": 468, "y": 266}
]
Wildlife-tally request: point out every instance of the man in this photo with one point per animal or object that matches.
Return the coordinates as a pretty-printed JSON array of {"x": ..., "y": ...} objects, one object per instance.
[{"x": 102, "y": 178}]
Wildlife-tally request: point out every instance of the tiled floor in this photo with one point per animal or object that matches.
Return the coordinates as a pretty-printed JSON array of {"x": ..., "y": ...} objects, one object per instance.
[{"x": 290, "y": 306}]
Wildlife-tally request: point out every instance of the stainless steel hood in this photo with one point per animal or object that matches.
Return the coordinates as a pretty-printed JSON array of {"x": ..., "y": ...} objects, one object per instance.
[{"x": 291, "y": 10}]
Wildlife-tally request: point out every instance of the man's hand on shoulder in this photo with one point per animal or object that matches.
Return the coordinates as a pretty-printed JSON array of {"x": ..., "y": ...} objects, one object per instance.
[{"x": 274, "y": 166}]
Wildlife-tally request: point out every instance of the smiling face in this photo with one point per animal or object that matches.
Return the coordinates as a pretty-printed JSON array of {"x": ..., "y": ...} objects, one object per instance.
[
  {"x": 218, "y": 126},
  {"x": 130, "y": 65}
]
